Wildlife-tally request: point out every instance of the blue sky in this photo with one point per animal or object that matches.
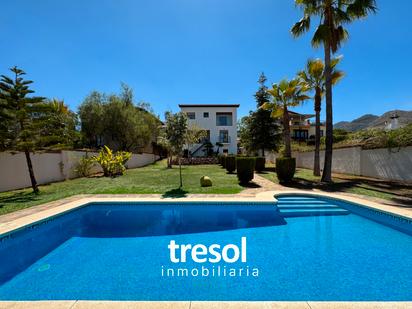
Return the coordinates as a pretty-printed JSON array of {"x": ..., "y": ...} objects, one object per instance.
[{"x": 199, "y": 51}]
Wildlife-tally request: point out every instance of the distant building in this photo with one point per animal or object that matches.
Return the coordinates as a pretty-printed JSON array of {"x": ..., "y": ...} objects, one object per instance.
[
  {"x": 219, "y": 121},
  {"x": 302, "y": 129},
  {"x": 394, "y": 122}
]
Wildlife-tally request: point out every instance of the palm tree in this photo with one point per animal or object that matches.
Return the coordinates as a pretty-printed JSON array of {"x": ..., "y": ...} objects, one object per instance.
[
  {"x": 330, "y": 33},
  {"x": 284, "y": 95},
  {"x": 314, "y": 76}
]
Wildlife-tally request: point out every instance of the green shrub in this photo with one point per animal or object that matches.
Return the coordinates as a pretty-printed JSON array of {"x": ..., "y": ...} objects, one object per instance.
[
  {"x": 111, "y": 162},
  {"x": 224, "y": 161},
  {"x": 285, "y": 169},
  {"x": 260, "y": 164},
  {"x": 84, "y": 166},
  {"x": 245, "y": 167},
  {"x": 230, "y": 164},
  {"x": 205, "y": 181}
]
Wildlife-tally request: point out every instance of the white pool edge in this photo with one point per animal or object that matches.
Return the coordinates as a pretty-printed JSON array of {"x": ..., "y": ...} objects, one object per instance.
[{"x": 265, "y": 197}]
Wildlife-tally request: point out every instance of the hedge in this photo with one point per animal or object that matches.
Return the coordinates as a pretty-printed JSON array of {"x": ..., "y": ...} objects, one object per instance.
[
  {"x": 285, "y": 169},
  {"x": 230, "y": 163},
  {"x": 260, "y": 164},
  {"x": 245, "y": 167}
]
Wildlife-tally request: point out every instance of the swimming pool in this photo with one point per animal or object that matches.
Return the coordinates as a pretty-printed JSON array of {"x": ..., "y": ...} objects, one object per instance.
[{"x": 304, "y": 248}]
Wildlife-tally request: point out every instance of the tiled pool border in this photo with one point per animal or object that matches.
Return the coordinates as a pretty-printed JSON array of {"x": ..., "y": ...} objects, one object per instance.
[
  {"x": 268, "y": 197},
  {"x": 396, "y": 221},
  {"x": 74, "y": 304}
]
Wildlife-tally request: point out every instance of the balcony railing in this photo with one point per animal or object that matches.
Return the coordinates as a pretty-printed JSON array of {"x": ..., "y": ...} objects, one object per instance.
[{"x": 224, "y": 139}]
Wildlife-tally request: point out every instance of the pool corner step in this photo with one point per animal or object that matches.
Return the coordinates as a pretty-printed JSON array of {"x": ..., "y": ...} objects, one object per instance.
[{"x": 290, "y": 213}]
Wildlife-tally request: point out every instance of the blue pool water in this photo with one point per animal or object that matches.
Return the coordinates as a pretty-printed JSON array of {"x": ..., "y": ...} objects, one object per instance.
[{"x": 304, "y": 249}]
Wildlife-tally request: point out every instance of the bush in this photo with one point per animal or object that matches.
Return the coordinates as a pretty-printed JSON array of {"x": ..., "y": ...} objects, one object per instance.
[
  {"x": 111, "y": 162},
  {"x": 245, "y": 168},
  {"x": 285, "y": 169},
  {"x": 84, "y": 166},
  {"x": 260, "y": 164},
  {"x": 205, "y": 181},
  {"x": 224, "y": 161},
  {"x": 339, "y": 135},
  {"x": 230, "y": 164}
]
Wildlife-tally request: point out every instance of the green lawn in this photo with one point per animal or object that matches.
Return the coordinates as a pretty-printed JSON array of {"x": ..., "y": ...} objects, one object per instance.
[
  {"x": 151, "y": 179},
  {"x": 396, "y": 192}
]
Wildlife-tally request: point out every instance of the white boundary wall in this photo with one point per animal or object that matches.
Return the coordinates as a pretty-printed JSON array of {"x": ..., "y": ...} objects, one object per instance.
[
  {"x": 345, "y": 160},
  {"x": 384, "y": 163},
  {"x": 50, "y": 167}
]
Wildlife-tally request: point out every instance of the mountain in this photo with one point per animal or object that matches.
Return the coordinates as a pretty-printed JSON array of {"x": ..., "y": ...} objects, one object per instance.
[
  {"x": 357, "y": 124},
  {"x": 370, "y": 121}
]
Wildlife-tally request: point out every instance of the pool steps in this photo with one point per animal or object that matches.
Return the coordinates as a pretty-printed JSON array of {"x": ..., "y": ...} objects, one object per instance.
[{"x": 290, "y": 207}]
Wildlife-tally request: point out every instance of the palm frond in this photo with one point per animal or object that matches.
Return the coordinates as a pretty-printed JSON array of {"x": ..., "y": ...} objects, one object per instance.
[
  {"x": 301, "y": 26},
  {"x": 340, "y": 35},
  {"x": 337, "y": 76},
  {"x": 322, "y": 34},
  {"x": 361, "y": 8},
  {"x": 335, "y": 61},
  {"x": 276, "y": 113}
]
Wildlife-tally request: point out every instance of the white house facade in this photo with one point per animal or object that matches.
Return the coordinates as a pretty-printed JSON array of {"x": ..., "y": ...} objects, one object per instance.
[{"x": 219, "y": 121}]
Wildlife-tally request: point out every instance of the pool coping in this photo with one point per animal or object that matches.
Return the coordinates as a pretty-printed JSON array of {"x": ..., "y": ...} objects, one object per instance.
[
  {"x": 263, "y": 197},
  {"x": 80, "y": 304}
]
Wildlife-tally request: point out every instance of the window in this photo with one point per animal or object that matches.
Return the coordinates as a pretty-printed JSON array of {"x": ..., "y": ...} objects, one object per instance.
[
  {"x": 224, "y": 119},
  {"x": 300, "y": 134},
  {"x": 191, "y": 115},
  {"x": 225, "y": 150},
  {"x": 205, "y": 115},
  {"x": 224, "y": 136}
]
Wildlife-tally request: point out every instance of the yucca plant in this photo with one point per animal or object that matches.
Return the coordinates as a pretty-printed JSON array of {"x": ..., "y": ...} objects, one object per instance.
[{"x": 112, "y": 163}]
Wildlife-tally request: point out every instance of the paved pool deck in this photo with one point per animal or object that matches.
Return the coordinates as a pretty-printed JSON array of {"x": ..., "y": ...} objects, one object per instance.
[{"x": 25, "y": 217}]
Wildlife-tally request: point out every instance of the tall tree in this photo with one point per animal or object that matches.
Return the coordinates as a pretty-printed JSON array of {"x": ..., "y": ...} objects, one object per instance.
[
  {"x": 245, "y": 135},
  {"x": 288, "y": 93},
  {"x": 163, "y": 142},
  {"x": 24, "y": 115},
  {"x": 176, "y": 134},
  {"x": 330, "y": 32},
  {"x": 115, "y": 120},
  {"x": 91, "y": 113},
  {"x": 314, "y": 76},
  {"x": 259, "y": 130},
  {"x": 57, "y": 128},
  {"x": 6, "y": 121},
  {"x": 264, "y": 129}
]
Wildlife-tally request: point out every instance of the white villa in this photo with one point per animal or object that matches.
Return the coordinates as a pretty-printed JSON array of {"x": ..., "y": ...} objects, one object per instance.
[
  {"x": 220, "y": 123},
  {"x": 302, "y": 129}
]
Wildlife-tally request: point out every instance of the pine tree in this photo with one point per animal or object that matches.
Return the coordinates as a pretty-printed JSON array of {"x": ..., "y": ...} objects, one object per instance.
[
  {"x": 24, "y": 120},
  {"x": 262, "y": 95},
  {"x": 264, "y": 129}
]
